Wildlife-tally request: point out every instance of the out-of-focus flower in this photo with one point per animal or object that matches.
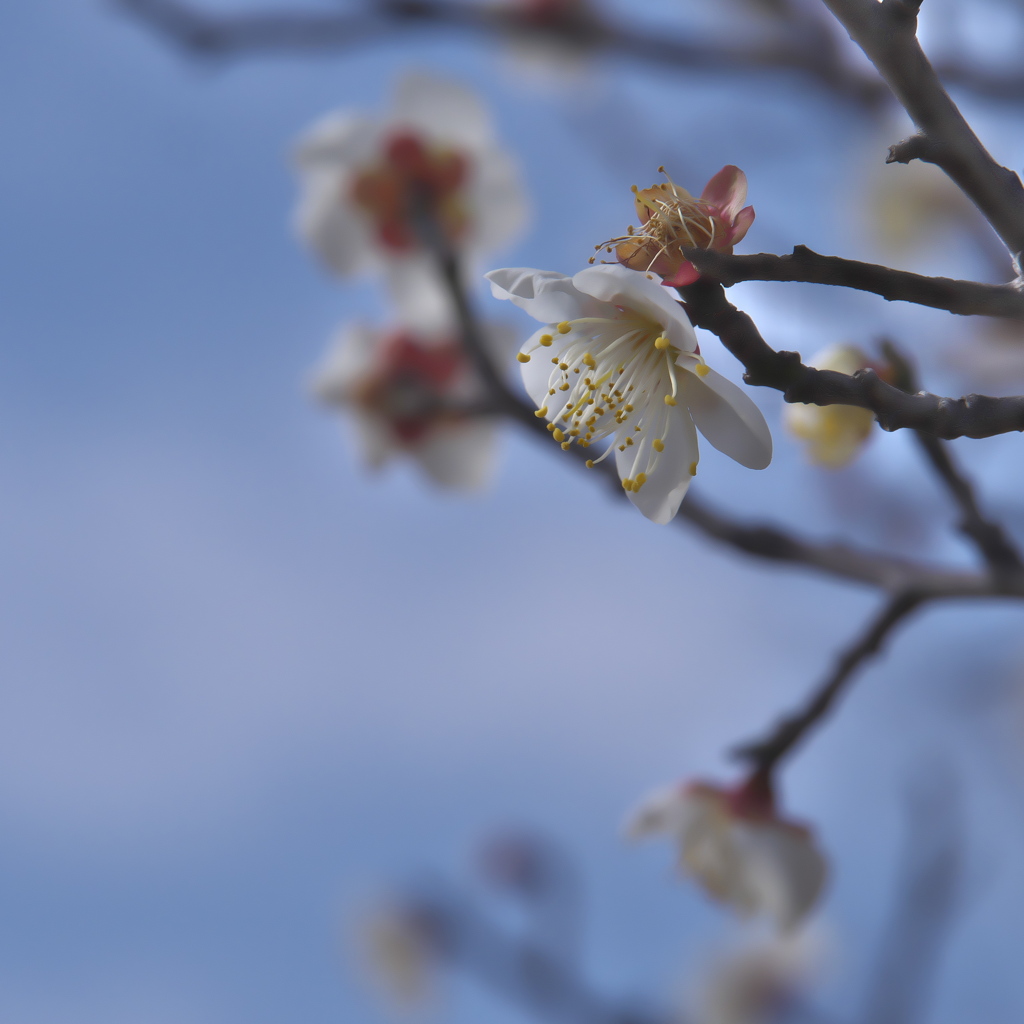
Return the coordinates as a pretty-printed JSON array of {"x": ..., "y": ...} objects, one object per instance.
[
  {"x": 671, "y": 220},
  {"x": 400, "y": 945},
  {"x": 550, "y": 40},
  {"x": 618, "y": 359},
  {"x": 834, "y": 434},
  {"x": 375, "y": 190},
  {"x": 410, "y": 393},
  {"x": 757, "y": 984},
  {"x": 733, "y": 842}
]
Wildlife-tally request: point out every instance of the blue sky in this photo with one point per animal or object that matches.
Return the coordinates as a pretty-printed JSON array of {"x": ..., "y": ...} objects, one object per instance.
[{"x": 245, "y": 683}]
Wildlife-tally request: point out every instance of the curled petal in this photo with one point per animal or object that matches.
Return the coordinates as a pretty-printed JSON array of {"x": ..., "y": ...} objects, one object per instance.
[
  {"x": 726, "y": 191},
  {"x": 741, "y": 225},
  {"x": 544, "y": 294}
]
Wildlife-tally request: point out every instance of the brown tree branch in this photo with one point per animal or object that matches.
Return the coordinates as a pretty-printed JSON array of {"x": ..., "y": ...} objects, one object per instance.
[
  {"x": 765, "y": 754},
  {"x": 970, "y": 416},
  {"x": 887, "y": 33},
  {"x": 965, "y": 298},
  {"x": 995, "y": 545}
]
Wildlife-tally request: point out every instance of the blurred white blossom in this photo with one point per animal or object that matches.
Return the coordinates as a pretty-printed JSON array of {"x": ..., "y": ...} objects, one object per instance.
[
  {"x": 757, "y": 983},
  {"x": 373, "y": 189},
  {"x": 737, "y": 847},
  {"x": 617, "y": 358},
  {"x": 834, "y": 434},
  {"x": 411, "y": 393}
]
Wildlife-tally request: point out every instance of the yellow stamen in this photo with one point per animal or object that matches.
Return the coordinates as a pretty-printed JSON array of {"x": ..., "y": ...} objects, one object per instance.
[
  {"x": 545, "y": 340},
  {"x": 557, "y": 434},
  {"x": 523, "y": 357},
  {"x": 669, "y": 400},
  {"x": 661, "y": 343},
  {"x": 590, "y": 463},
  {"x": 541, "y": 412},
  {"x": 564, "y": 327},
  {"x": 702, "y": 369},
  {"x": 693, "y": 469},
  {"x": 659, "y": 445}
]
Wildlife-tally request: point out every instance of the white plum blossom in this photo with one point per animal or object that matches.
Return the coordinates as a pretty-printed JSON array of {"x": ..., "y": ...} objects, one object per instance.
[
  {"x": 410, "y": 393},
  {"x": 368, "y": 184},
  {"x": 834, "y": 434},
  {"x": 759, "y": 982},
  {"x": 736, "y": 846},
  {"x": 617, "y": 359}
]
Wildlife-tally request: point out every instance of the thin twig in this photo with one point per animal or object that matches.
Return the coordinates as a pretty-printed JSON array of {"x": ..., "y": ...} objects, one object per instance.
[
  {"x": 965, "y": 298},
  {"x": 970, "y": 416},
  {"x": 887, "y": 33},
  {"x": 766, "y": 753}
]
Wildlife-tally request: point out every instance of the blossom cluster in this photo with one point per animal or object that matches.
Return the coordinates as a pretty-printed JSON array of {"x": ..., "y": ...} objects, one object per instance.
[{"x": 390, "y": 196}]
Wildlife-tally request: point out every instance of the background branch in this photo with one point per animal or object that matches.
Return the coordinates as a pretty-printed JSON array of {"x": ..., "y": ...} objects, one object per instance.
[{"x": 887, "y": 33}]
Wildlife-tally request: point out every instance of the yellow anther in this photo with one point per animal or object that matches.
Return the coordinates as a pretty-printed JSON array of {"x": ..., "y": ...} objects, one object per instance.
[
  {"x": 566, "y": 445},
  {"x": 627, "y": 484},
  {"x": 564, "y": 327},
  {"x": 590, "y": 463},
  {"x": 523, "y": 357},
  {"x": 622, "y": 447},
  {"x": 551, "y": 391},
  {"x": 541, "y": 412},
  {"x": 551, "y": 426},
  {"x": 576, "y": 370},
  {"x": 557, "y": 434},
  {"x": 702, "y": 369},
  {"x": 545, "y": 340},
  {"x": 583, "y": 442},
  {"x": 641, "y": 479},
  {"x": 669, "y": 400},
  {"x": 659, "y": 445},
  {"x": 588, "y": 360},
  {"x": 563, "y": 366},
  {"x": 629, "y": 408},
  {"x": 565, "y": 387},
  {"x": 599, "y": 411},
  {"x": 629, "y": 441},
  {"x": 555, "y": 360},
  {"x": 634, "y": 188},
  {"x": 574, "y": 433},
  {"x": 661, "y": 343},
  {"x": 693, "y": 469}
]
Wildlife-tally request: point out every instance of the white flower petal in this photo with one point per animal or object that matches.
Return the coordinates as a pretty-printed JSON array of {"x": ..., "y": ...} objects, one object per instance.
[
  {"x": 373, "y": 439},
  {"x": 337, "y": 138},
  {"x": 665, "y": 811},
  {"x": 497, "y": 198},
  {"x": 728, "y": 418},
  {"x": 544, "y": 294},
  {"x": 419, "y": 295},
  {"x": 443, "y": 109},
  {"x": 620, "y": 286},
  {"x": 460, "y": 456},
  {"x": 348, "y": 357},
  {"x": 669, "y": 476},
  {"x": 783, "y": 871},
  {"x": 335, "y": 229}
]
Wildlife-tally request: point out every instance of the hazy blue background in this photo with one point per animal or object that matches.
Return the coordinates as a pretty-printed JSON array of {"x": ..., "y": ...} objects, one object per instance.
[{"x": 245, "y": 685}]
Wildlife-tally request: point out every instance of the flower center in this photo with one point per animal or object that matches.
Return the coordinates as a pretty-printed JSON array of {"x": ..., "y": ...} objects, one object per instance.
[
  {"x": 622, "y": 380},
  {"x": 413, "y": 181},
  {"x": 409, "y": 387}
]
